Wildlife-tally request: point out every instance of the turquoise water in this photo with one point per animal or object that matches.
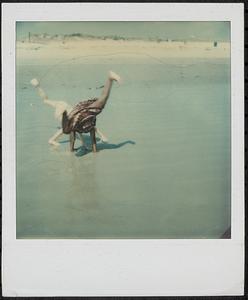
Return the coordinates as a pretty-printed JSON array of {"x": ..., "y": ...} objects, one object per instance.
[{"x": 165, "y": 172}]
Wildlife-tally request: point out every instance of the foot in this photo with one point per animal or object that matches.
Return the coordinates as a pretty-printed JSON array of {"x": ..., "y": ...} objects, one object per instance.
[
  {"x": 34, "y": 82},
  {"x": 103, "y": 139},
  {"x": 54, "y": 143},
  {"x": 114, "y": 76}
]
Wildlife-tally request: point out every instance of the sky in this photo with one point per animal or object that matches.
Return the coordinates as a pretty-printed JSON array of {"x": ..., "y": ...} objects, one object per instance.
[{"x": 219, "y": 31}]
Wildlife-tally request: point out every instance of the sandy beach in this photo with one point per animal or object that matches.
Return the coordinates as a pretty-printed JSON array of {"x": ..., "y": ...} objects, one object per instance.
[{"x": 86, "y": 50}]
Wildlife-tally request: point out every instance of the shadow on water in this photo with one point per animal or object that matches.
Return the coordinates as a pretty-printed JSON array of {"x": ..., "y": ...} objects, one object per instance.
[{"x": 102, "y": 146}]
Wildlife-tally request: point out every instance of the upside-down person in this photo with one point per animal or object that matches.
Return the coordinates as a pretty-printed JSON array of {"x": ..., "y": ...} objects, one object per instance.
[
  {"x": 60, "y": 107},
  {"x": 82, "y": 117}
]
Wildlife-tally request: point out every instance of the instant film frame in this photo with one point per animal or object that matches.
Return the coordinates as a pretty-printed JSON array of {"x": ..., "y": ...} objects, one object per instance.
[{"x": 122, "y": 267}]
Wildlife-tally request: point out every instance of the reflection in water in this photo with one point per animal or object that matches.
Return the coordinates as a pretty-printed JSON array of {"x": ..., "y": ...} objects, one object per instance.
[{"x": 82, "y": 194}]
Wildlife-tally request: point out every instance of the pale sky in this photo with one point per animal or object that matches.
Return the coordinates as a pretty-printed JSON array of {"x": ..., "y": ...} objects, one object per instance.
[{"x": 219, "y": 31}]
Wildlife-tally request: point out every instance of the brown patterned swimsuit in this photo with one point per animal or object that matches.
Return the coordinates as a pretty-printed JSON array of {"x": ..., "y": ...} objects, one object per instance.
[{"x": 82, "y": 118}]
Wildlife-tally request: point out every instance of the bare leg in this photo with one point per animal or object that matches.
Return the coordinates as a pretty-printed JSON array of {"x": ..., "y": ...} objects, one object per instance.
[
  {"x": 93, "y": 139},
  {"x": 101, "y": 135},
  {"x": 60, "y": 106},
  {"x": 41, "y": 92},
  {"x": 101, "y": 101},
  {"x": 54, "y": 138},
  {"x": 72, "y": 140}
]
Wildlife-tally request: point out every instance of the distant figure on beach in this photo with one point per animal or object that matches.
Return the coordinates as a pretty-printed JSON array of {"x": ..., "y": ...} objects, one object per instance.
[
  {"x": 60, "y": 107},
  {"x": 82, "y": 117}
]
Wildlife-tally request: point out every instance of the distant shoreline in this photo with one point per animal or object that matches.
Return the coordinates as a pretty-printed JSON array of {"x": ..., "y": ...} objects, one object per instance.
[
  {"x": 104, "y": 51},
  {"x": 34, "y": 37}
]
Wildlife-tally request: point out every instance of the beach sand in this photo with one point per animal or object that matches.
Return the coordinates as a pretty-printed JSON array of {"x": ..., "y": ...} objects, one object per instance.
[{"x": 103, "y": 51}]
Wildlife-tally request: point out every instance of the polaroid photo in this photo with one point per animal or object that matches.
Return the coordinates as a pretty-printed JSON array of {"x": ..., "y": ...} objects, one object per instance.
[{"x": 123, "y": 149}]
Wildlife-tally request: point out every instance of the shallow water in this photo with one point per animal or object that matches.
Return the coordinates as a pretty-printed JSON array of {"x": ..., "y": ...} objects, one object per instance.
[{"x": 165, "y": 172}]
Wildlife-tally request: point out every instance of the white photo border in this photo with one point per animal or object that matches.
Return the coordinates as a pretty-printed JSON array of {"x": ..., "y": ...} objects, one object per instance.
[{"x": 105, "y": 267}]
